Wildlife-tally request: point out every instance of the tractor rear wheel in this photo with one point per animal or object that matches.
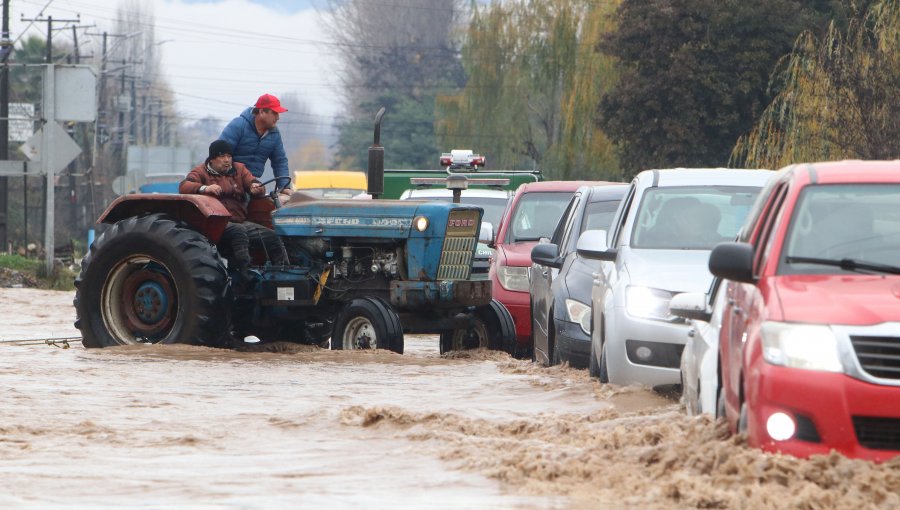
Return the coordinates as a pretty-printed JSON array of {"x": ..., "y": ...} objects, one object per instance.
[
  {"x": 151, "y": 279},
  {"x": 367, "y": 323},
  {"x": 492, "y": 328}
]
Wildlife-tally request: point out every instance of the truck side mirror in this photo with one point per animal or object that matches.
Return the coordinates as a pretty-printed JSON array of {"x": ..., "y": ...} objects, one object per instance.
[
  {"x": 733, "y": 261},
  {"x": 486, "y": 235},
  {"x": 592, "y": 245}
]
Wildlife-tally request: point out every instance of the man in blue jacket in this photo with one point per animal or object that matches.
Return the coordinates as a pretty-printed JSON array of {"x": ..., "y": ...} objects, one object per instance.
[{"x": 255, "y": 139}]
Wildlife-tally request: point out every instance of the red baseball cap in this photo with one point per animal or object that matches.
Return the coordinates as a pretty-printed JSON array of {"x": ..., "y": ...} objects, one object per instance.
[{"x": 271, "y": 102}]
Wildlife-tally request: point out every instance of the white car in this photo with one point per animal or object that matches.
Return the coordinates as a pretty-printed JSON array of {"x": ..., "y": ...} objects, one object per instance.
[
  {"x": 657, "y": 247},
  {"x": 700, "y": 359}
]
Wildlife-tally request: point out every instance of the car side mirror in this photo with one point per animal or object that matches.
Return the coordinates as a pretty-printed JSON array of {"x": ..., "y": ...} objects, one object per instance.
[
  {"x": 486, "y": 235},
  {"x": 733, "y": 261},
  {"x": 592, "y": 245},
  {"x": 690, "y": 305},
  {"x": 546, "y": 254}
]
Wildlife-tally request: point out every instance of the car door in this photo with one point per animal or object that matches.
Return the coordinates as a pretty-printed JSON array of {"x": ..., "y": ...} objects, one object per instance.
[
  {"x": 541, "y": 280},
  {"x": 606, "y": 276},
  {"x": 740, "y": 297}
]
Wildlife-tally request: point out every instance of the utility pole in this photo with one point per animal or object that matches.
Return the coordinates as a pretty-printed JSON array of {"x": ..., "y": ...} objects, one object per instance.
[{"x": 5, "y": 50}]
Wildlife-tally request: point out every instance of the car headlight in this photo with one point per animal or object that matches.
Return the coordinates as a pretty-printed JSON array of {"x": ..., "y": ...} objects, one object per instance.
[
  {"x": 806, "y": 346},
  {"x": 513, "y": 278},
  {"x": 580, "y": 313},
  {"x": 647, "y": 303},
  {"x": 421, "y": 223}
]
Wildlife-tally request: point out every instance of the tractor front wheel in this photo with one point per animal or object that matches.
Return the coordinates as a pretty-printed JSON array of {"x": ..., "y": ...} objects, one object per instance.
[
  {"x": 492, "y": 328},
  {"x": 367, "y": 323}
]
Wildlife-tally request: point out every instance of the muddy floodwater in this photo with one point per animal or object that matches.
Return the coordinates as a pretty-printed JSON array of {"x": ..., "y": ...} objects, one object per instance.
[{"x": 302, "y": 427}]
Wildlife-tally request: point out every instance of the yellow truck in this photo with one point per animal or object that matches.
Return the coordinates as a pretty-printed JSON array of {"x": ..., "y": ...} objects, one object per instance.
[{"x": 330, "y": 183}]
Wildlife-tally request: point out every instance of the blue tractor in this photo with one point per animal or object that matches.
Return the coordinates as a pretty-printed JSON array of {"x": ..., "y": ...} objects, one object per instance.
[{"x": 361, "y": 273}]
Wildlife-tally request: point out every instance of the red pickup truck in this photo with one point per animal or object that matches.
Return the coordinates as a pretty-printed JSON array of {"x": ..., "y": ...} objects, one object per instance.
[{"x": 809, "y": 344}]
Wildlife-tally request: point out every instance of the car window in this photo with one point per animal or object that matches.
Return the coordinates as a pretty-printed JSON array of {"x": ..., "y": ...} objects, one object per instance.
[
  {"x": 536, "y": 215},
  {"x": 565, "y": 224},
  {"x": 621, "y": 215},
  {"x": 691, "y": 217},
  {"x": 599, "y": 215},
  {"x": 843, "y": 221},
  {"x": 769, "y": 216}
]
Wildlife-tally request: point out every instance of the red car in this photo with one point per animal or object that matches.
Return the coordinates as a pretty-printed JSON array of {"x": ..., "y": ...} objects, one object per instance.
[
  {"x": 533, "y": 213},
  {"x": 810, "y": 338}
]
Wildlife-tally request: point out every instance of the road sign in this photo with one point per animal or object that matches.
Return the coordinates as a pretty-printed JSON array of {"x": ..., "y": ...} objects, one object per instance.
[
  {"x": 63, "y": 152},
  {"x": 21, "y": 121}
]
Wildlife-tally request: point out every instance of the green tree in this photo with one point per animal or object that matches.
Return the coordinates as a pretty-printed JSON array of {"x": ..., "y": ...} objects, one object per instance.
[
  {"x": 839, "y": 99},
  {"x": 695, "y": 75},
  {"x": 533, "y": 82},
  {"x": 399, "y": 57}
]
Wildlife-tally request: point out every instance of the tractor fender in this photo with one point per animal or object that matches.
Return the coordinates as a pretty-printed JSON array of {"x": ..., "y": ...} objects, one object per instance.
[{"x": 202, "y": 213}]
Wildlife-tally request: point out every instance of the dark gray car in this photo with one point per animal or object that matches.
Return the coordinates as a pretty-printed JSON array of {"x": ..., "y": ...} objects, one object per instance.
[{"x": 561, "y": 281}]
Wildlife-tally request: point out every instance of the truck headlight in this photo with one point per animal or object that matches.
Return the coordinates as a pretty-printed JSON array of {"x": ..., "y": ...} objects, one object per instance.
[
  {"x": 421, "y": 223},
  {"x": 647, "y": 303},
  {"x": 513, "y": 278},
  {"x": 806, "y": 346},
  {"x": 580, "y": 313}
]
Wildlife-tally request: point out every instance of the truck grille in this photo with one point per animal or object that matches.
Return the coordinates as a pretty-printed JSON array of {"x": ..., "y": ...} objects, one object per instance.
[
  {"x": 877, "y": 433},
  {"x": 878, "y": 355},
  {"x": 459, "y": 245}
]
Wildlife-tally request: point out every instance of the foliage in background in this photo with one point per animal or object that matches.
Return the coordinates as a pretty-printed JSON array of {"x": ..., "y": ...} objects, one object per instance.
[
  {"x": 61, "y": 278},
  {"x": 695, "y": 75},
  {"x": 400, "y": 58},
  {"x": 533, "y": 82},
  {"x": 841, "y": 98}
]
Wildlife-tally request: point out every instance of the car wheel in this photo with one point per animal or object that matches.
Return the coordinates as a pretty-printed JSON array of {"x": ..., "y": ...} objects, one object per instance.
[
  {"x": 593, "y": 366},
  {"x": 742, "y": 419},
  {"x": 697, "y": 409},
  {"x": 720, "y": 404},
  {"x": 551, "y": 340},
  {"x": 604, "y": 373}
]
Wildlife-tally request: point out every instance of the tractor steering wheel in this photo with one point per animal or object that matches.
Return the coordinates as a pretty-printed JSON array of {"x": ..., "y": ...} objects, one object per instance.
[{"x": 274, "y": 195}]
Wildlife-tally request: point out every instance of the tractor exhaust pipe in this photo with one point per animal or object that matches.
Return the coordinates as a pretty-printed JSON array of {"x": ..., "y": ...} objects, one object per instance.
[{"x": 375, "y": 170}]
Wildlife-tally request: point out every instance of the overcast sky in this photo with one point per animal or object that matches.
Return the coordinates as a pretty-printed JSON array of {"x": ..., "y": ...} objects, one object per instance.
[{"x": 219, "y": 55}]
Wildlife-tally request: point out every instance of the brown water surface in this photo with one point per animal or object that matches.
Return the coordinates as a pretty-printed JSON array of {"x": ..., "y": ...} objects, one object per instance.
[{"x": 189, "y": 427}]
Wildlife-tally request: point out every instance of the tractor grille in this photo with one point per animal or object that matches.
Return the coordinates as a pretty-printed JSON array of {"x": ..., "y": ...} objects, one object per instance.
[
  {"x": 878, "y": 355},
  {"x": 459, "y": 245}
]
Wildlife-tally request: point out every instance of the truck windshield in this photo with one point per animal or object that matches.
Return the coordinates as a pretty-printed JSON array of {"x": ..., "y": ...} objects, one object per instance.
[
  {"x": 536, "y": 215},
  {"x": 849, "y": 224}
]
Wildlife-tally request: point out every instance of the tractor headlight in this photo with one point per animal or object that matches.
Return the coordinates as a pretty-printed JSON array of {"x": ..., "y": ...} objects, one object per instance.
[
  {"x": 806, "y": 346},
  {"x": 647, "y": 303},
  {"x": 580, "y": 313},
  {"x": 421, "y": 223}
]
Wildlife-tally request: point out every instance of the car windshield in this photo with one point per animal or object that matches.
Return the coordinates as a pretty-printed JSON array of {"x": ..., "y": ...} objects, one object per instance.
[
  {"x": 537, "y": 214},
  {"x": 691, "y": 217},
  {"x": 851, "y": 225},
  {"x": 599, "y": 215},
  {"x": 493, "y": 206}
]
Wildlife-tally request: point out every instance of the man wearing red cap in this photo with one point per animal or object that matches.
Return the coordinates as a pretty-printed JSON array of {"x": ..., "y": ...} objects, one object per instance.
[{"x": 255, "y": 139}]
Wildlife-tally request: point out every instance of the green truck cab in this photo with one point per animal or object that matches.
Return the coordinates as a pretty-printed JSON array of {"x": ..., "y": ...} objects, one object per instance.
[{"x": 457, "y": 161}]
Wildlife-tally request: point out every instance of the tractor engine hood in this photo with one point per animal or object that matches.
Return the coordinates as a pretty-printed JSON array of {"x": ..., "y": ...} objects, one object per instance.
[{"x": 304, "y": 215}]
